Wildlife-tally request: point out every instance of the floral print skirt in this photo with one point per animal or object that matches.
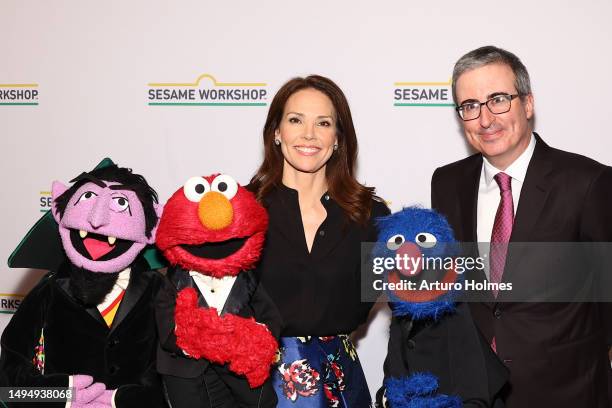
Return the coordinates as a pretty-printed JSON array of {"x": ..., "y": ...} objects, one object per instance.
[{"x": 320, "y": 372}]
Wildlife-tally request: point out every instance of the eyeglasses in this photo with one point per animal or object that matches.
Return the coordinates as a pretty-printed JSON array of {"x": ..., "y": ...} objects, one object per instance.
[{"x": 497, "y": 105}]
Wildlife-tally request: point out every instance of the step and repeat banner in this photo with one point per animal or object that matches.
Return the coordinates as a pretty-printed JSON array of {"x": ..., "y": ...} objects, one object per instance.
[{"x": 175, "y": 89}]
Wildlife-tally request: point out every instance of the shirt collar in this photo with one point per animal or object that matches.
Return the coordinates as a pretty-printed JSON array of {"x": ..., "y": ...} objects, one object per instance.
[
  {"x": 517, "y": 170},
  {"x": 209, "y": 280},
  {"x": 123, "y": 279},
  {"x": 288, "y": 191}
]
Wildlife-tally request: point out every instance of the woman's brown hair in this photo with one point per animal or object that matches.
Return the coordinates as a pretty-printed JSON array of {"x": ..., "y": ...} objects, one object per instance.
[{"x": 354, "y": 198}]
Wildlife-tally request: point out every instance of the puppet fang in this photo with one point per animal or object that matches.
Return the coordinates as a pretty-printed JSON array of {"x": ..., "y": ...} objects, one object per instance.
[{"x": 98, "y": 247}]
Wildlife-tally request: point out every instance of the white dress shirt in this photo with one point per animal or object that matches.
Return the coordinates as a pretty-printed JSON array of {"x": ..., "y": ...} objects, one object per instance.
[
  {"x": 214, "y": 290},
  {"x": 489, "y": 196},
  {"x": 122, "y": 283}
]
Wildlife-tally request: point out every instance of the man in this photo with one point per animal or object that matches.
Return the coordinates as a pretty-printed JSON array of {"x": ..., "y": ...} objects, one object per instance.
[{"x": 518, "y": 189}]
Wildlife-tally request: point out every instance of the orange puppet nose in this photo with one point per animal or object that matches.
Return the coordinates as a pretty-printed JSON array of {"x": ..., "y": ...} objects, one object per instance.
[{"x": 215, "y": 211}]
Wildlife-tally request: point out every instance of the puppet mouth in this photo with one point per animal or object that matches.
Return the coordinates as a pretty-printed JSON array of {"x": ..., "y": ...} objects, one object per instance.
[
  {"x": 216, "y": 250},
  {"x": 98, "y": 247},
  {"x": 422, "y": 295}
]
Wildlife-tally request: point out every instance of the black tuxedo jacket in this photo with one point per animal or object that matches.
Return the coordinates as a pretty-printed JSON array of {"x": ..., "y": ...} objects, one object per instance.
[
  {"x": 246, "y": 299},
  {"x": 454, "y": 351},
  {"x": 556, "y": 352}
]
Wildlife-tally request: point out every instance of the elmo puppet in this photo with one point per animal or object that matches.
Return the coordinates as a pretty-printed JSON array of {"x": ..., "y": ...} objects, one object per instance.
[{"x": 215, "y": 349}]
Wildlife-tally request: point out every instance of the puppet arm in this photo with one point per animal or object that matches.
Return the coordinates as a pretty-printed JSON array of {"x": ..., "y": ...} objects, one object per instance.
[
  {"x": 248, "y": 346},
  {"x": 417, "y": 391},
  {"x": 21, "y": 337},
  {"x": 253, "y": 351},
  {"x": 165, "y": 305},
  {"x": 266, "y": 311},
  {"x": 147, "y": 393}
]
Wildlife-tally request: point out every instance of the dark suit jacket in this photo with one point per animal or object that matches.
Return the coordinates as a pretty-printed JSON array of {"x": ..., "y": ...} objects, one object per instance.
[
  {"x": 556, "y": 352},
  {"x": 78, "y": 340},
  {"x": 246, "y": 299},
  {"x": 454, "y": 351}
]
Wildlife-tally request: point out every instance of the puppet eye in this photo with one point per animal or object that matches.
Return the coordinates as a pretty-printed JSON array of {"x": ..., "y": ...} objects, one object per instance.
[
  {"x": 120, "y": 204},
  {"x": 425, "y": 240},
  {"x": 195, "y": 188},
  {"x": 395, "y": 242},
  {"x": 225, "y": 185},
  {"x": 86, "y": 196}
]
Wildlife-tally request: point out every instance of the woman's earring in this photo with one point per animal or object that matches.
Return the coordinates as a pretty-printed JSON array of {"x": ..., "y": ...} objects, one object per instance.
[
  {"x": 335, "y": 147},
  {"x": 277, "y": 142}
]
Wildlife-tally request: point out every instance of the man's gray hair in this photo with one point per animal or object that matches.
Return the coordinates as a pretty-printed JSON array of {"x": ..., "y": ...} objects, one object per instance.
[{"x": 492, "y": 55}]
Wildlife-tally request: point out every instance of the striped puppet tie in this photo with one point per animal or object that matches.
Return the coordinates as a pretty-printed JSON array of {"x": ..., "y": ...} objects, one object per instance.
[{"x": 109, "y": 313}]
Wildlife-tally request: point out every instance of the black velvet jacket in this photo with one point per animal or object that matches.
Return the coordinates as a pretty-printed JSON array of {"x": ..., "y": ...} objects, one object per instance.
[{"x": 78, "y": 341}]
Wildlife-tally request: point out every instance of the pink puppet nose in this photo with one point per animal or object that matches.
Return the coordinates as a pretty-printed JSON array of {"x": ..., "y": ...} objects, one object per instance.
[
  {"x": 410, "y": 254},
  {"x": 100, "y": 214}
]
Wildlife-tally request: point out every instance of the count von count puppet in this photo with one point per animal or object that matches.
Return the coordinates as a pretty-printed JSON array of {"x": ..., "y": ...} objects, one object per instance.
[
  {"x": 215, "y": 348},
  {"x": 90, "y": 323}
]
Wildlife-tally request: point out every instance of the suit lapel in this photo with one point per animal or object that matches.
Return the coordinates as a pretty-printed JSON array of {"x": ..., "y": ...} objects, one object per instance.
[
  {"x": 240, "y": 294},
  {"x": 467, "y": 190},
  {"x": 137, "y": 286},
  {"x": 532, "y": 200},
  {"x": 181, "y": 279},
  {"x": 64, "y": 283},
  {"x": 533, "y": 194}
]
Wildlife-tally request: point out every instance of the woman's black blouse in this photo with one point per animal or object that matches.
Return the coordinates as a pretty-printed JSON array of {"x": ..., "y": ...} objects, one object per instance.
[{"x": 317, "y": 293}]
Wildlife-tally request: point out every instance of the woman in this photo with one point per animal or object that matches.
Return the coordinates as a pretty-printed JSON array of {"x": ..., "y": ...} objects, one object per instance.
[{"x": 319, "y": 215}]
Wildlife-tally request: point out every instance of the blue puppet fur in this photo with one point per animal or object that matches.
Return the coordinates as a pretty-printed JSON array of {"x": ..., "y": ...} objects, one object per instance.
[
  {"x": 418, "y": 391},
  {"x": 409, "y": 222},
  {"x": 425, "y": 310}
]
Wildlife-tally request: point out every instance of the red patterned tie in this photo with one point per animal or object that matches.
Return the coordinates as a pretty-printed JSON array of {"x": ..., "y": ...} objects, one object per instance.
[{"x": 502, "y": 228}]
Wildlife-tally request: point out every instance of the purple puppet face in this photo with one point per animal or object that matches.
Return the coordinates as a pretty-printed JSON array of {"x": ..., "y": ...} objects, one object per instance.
[{"x": 102, "y": 227}]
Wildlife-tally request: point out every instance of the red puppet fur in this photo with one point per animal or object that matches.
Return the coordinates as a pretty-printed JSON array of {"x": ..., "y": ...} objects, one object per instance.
[
  {"x": 180, "y": 225},
  {"x": 246, "y": 345}
]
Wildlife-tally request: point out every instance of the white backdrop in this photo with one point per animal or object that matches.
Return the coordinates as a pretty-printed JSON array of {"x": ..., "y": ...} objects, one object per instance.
[{"x": 85, "y": 70}]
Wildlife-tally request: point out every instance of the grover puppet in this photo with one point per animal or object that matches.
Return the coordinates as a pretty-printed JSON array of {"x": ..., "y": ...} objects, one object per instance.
[
  {"x": 436, "y": 357},
  {"x": 90, "y": 324},
  {"x": 215, "y": 351}
]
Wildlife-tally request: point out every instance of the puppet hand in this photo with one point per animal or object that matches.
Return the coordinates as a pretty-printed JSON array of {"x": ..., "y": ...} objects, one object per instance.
[
  {"x": 85, "y": 390},
  {"x": 80, "y": 381},
  {"x": 254, "y": 349},
  {"x": 92, "y": 404},
  {"x": 106, "y": 399},
  {"x": 418, "y": 390},
  {"x": 200, "y": 332},
  {"x": 247, "y": 345}
]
